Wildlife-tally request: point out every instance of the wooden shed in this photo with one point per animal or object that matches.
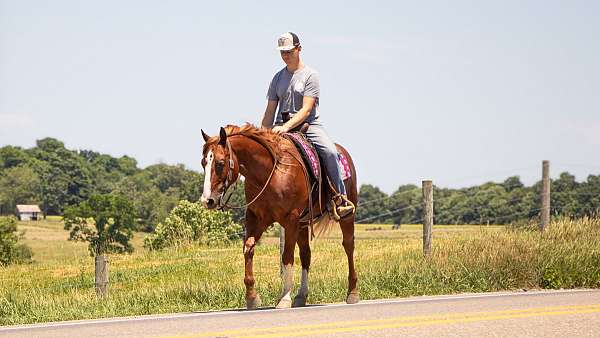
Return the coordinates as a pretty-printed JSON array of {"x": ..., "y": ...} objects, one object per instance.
[{"x": 28, "y": 212}]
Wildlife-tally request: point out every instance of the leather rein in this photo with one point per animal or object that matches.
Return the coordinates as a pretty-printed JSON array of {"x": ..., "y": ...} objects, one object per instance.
[{"x": 230, "y": 181}]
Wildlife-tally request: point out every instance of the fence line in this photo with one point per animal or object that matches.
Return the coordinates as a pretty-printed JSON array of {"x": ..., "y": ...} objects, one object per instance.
[
  {"x": 392, "y": 212},
  {"x": 504, "y": 203}
]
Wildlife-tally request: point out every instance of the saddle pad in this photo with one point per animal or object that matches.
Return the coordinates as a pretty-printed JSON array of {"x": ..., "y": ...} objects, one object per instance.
[
  {"x": 308, "y": 152},
  {"x": 311, "y": 159},
  {"x": 343, "y": 161}
]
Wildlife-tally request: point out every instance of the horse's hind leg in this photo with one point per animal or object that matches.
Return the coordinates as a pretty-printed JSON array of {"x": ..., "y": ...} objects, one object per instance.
[
  {"x": 304, "y": 248},
  {"x": 348, "y": 243},
  {"x": 347, "y": 225}
]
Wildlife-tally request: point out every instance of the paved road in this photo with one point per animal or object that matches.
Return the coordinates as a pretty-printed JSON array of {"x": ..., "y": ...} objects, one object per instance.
[{"x": 573, "y": 313}]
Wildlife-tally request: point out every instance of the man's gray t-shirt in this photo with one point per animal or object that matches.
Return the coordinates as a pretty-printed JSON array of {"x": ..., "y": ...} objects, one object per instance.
[{"x": 290, "y": 88}]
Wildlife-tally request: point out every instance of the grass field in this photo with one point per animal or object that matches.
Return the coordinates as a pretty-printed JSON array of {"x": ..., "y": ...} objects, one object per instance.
[{"x": 59, "y": 284}]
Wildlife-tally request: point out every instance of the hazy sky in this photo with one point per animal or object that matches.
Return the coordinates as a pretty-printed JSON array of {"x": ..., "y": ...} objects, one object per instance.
[{"x": 461, "y": 92}]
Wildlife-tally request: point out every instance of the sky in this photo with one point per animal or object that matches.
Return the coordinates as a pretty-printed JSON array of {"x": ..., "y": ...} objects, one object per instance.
[{"x": 460, "y": 92}]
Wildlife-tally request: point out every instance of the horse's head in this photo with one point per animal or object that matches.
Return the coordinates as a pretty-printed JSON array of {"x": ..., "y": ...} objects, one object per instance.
[{"x": 220, "y": 168}]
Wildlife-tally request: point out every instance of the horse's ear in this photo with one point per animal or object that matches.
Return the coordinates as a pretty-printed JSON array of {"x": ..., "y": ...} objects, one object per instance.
[
  {"x": 206, "y": 137},
  {"x": 222, "y": 137}
]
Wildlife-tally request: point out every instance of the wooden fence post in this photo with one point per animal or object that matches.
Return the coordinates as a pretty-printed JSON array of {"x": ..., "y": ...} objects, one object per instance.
[
  {"x": 101, "y": 275},
  {"x": 545, "y": 216},
  {"x": 427, "y": 216}
]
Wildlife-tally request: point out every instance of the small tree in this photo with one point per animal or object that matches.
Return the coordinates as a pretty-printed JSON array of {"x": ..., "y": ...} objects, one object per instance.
[
  {"x": 105, "y": 221},
  {"x": 10, "y": 249}
]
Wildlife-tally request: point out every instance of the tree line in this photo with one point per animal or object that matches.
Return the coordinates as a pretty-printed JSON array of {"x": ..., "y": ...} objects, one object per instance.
[
  {"x": 488, "y": 203},
  {"x": 54, "y": 177}
]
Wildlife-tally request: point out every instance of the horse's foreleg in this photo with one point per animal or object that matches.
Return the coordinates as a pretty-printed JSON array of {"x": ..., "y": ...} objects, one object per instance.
[
  {"x": 348, "y": 243},
  {"x": 252, "y": 297},
  {"x": 304, "y": 248},
  {"x": 291, "y": 235}
]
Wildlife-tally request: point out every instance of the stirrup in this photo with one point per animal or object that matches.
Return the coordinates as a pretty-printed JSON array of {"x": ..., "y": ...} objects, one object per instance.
[{"x": 345, "y": 210}]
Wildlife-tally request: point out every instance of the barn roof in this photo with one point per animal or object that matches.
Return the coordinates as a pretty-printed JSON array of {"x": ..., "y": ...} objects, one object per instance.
[{"x": 28, "y": 208}]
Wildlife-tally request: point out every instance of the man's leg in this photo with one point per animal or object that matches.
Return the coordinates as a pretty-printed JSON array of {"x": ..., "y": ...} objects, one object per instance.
[{"x": 328, "y": 152}]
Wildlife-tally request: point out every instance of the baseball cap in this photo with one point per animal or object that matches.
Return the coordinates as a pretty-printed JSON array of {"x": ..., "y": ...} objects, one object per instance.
[{"x": 288, "y": 41}]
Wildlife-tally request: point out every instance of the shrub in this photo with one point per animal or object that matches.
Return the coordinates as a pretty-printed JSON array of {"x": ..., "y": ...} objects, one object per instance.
[
  {"x": 10, "y": 249},
  {"x": 190, "y": 222}
]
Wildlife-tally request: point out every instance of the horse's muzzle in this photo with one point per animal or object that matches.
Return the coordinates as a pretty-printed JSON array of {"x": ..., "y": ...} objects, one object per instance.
[{"x": 209, "y": 203}]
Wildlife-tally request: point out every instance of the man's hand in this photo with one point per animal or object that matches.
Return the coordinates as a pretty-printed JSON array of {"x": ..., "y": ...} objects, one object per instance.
[{"x": 280, "y": 129}]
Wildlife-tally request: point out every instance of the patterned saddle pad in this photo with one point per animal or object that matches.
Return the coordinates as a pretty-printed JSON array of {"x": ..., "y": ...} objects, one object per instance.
[{"x": 311, "y": 159}]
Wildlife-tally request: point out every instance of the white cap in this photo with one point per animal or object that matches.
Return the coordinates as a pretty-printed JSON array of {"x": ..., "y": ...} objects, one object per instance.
[{"x": 288, "y": 41}]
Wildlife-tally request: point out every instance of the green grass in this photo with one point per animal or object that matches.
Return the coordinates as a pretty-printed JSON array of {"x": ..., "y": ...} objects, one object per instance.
[{"x": 59, "y": 284}]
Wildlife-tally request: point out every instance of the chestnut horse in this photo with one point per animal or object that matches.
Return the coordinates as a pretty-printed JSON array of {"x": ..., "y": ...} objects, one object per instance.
[{"x": 276, "y": 191}]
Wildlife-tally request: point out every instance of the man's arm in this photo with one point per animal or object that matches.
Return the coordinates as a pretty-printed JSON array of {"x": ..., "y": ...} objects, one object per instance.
[
  {"x": 308, "y": 103},
  {"x": 267, "y": 121}
]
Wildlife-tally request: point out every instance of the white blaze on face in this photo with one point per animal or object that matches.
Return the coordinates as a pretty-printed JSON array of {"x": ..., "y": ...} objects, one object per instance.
[{"x": 207, "y": 171}]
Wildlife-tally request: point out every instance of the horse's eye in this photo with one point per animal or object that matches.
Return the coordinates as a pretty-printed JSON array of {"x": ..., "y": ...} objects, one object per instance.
[
  {"x": 219, "y": 167},
  {"x": 203, "y": 163}
]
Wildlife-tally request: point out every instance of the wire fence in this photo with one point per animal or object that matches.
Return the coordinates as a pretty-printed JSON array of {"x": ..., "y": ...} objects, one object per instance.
[{"x": 532, "y": 198}]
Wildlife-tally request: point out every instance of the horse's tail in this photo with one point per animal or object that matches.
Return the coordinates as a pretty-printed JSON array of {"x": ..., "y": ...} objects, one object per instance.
[{"x": 323, "y": 224}]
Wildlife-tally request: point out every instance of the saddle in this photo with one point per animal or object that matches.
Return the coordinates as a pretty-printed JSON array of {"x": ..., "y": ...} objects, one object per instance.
[
  {"x": 311, "y": 159},
  {"x": 314, "y": 173}
]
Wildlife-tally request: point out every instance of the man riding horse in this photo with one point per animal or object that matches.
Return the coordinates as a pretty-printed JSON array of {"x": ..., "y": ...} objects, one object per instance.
[
  {"x": 294, "y": 92},
  {"x": 277, "y": 187}
]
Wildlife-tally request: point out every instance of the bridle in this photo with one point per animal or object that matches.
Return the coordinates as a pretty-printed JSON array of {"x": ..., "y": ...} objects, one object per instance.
[{"x": 230, "y": 181}]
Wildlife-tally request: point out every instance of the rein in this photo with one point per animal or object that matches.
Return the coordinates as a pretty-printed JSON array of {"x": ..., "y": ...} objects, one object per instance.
[{"x": 223, "y": 203}]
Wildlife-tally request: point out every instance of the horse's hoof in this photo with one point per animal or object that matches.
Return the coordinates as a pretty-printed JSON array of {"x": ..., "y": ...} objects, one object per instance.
[
  {"x": 253, "y": 303},
  {"x": 352, "y": 298},
  {"x": 299, "y": 301},
  {"x": 284, "y": 304}
]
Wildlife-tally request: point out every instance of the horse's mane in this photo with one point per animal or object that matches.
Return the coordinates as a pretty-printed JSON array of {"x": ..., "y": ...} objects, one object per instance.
[{"x": 274, "y": 142}]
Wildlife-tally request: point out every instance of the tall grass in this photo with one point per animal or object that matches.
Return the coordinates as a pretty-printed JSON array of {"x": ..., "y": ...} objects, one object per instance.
[{"x": 389, "y": 263}]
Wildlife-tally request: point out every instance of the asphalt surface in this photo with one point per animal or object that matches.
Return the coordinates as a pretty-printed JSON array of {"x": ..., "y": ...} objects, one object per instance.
[{"x": 570, "y": 313}]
